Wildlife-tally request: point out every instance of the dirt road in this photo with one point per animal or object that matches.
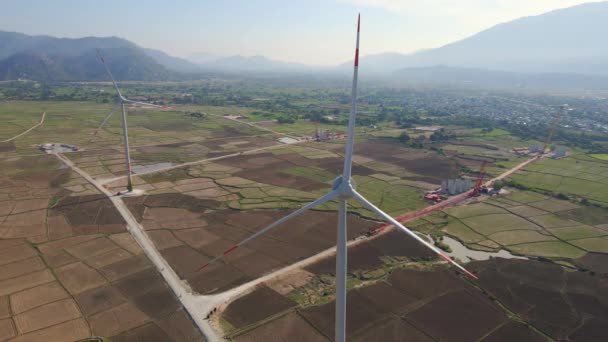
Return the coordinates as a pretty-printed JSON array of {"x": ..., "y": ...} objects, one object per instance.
[
  {"x": 197, "y": 306},
  {"x": 29, "y": 129},
  {"x": 173, "y": 167}
]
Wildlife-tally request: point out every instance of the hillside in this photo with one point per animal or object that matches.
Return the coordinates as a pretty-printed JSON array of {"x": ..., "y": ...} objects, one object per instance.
[
  {"x": 50, "y": 58},
  {"x": 252, "y": 64},
  {"x": 564, "y": 41}
]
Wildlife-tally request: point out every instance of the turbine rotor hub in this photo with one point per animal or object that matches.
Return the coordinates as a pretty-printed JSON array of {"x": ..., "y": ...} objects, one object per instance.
[{"x": 344, "y": 188}]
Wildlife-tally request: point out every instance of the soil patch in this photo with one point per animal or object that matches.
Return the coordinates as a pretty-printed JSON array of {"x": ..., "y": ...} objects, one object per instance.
[
  {"x": 7, "y": 147},
  {"x": 431, "y": 165},
  {"x": 246, "y": 310},
  {"x": 99, "y": 299},
  {"x": 290, "y": 327},
  {"x": 596, "y": 262},
  {"x": 448, "y": 317},
  {"x": 361, "y": 316},
  {"x": 270, "y": 172},
  {"x": 78, "y": 277},
  {"x": 88, "y": 210},
  {"x": 551, "y": 299},
  {"x": 514, "y": 331},
  {"x": 392, "y": 329},
  {"x": 149, "y": 333}
]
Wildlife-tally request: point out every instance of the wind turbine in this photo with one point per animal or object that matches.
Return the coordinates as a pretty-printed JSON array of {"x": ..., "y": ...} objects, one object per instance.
[
  {"x": 121, "y": 100},
  {"x": 343, "y": 189}
]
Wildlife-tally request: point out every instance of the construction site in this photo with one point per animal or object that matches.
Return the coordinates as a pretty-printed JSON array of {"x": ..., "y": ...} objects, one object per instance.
[{"x": 153, "y": 206}]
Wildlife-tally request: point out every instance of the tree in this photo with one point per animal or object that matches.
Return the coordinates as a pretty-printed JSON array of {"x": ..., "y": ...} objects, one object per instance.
[
  {"x": 499, "y": 184},
  {"x": 417, "y": 142},
  {"x": 285, "y": 120},
  {"x": 404, "y": 138}
]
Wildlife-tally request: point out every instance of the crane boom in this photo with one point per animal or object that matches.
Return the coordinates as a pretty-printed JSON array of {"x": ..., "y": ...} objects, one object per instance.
[
  {"x": 554, "y": 126},
  {"x": 479, "y": 183}
]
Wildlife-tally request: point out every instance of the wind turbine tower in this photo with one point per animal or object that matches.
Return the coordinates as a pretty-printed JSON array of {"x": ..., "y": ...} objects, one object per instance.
[
  {"x": 125, "y": 132},
  {"x": 343, "y": 189}
]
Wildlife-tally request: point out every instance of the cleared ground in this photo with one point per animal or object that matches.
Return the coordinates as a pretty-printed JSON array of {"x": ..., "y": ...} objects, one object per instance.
[
  {"x": 68, "y": 268},
  {"x": 537, "y": 300}
]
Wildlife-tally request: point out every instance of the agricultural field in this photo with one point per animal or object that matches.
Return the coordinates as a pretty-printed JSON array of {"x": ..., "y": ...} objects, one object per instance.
[
  {"x": 65, "y": 248},
  {"x": 514, "y": 300},
  {"x": 600, "y": 156},
  {"x": 68, "y": 268},
  {"x": 525, "y": 223},
  {"x": 577, "y": 175}
]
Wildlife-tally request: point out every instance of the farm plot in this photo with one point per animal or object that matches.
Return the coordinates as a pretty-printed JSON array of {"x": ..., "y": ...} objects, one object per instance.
[
  {"x": 447, "y": 317},
  {"x": 281, "y": 179},
  {"x": 540, "y": 293},
  {"x": 575, "y": 175},
  {"x": 67, "y": 264},
  {"x": 424, "y": 305},
  {"x": 424, "y": 166},
  {"x": 246, "y": 310},
  {"x": 291, "y": 327},
  {"x": 526, "y": 223},
  {"x": 190, "y": 230}
]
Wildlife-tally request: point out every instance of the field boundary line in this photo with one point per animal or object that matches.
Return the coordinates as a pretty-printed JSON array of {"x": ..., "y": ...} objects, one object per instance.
[
  {"x": 251, "y": 326},
  {"x": 196, "y": 162},
  {"x": 182, "y": 291},
  {"x": 28, "y": 130}
]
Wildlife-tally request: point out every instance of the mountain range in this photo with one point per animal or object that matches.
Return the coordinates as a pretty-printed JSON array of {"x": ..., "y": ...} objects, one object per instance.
[
  {"x": 562, "y": 41},
  {"x": 530, "y": 50}
]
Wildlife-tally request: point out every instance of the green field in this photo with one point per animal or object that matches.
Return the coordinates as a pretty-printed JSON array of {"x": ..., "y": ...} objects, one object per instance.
[
  {"x": 517, "y": 223},
  {"x": 602, "y": 156},
  {"x": 576, "y": 175}
]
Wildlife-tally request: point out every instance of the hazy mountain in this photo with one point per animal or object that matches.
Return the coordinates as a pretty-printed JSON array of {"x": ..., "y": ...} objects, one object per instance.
[
  {"x": 12, "y": 43},
  {"x": 45, "y": 57},
  {"x": 173, "y": 63},
  {"x": 566, "y": 41},
  {"x": 126, "y": 63},
  {"x": 253, "y": 64},
  {"x": 203, "y": 57},
  {"x": 479, "y": 78}
]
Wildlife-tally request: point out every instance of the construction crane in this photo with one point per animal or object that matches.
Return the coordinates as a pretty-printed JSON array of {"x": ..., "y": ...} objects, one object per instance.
[
  {"x": 479, "y": 183},
  {"x": 554, "y": 126}
]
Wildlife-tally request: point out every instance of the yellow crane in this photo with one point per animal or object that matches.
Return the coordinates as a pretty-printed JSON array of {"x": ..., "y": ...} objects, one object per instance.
[{"x": 554, "y": 126}]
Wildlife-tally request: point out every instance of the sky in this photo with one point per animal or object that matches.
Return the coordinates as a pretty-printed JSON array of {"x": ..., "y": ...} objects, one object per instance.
[{"x": 312, "y": 32}]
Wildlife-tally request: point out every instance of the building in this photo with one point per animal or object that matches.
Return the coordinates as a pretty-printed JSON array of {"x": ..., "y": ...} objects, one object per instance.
[{"x": 455, "y": 186}]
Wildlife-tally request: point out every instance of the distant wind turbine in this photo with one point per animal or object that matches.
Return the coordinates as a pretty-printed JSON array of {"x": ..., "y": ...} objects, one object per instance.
[
  {"x": 343, "y": 189},
  {"x": 122, "y": 101}
]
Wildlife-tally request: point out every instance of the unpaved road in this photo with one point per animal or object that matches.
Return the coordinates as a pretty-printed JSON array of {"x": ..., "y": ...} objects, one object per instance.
[
  {"x": 196, "y": 305},
  {"x": 173, "y": 167},
  {"x": 253, "y": 125},
  {"x": 29, "y": 129}
]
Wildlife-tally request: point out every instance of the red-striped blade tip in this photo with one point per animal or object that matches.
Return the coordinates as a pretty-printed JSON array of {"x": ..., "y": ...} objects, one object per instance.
[
  {"x": 448, "y": 259},
  {"x": 205, "y": 265},
  {"x": 357, "y": 50},
  {"x": 231, "y": 249}
]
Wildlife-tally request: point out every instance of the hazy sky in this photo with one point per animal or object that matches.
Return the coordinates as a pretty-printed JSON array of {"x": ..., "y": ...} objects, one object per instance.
[{"x": 308, "y": 31}]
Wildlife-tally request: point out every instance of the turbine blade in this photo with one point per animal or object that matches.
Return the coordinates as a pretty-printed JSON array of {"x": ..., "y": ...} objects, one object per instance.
[
  {"x": 109, "y": 73},
  {"x": 396, "y": 223},
  {"x": 141, "y": 103},
  {"x": 107, "y": 117},
  {"x": 348, "y": 155},
  {"x": 327, "y": 197}
]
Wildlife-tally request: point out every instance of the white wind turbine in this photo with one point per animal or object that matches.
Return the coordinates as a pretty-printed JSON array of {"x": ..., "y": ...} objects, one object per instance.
[
  {"x": 343, "y": 189},
  {"x": 121, "y": 100}
]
